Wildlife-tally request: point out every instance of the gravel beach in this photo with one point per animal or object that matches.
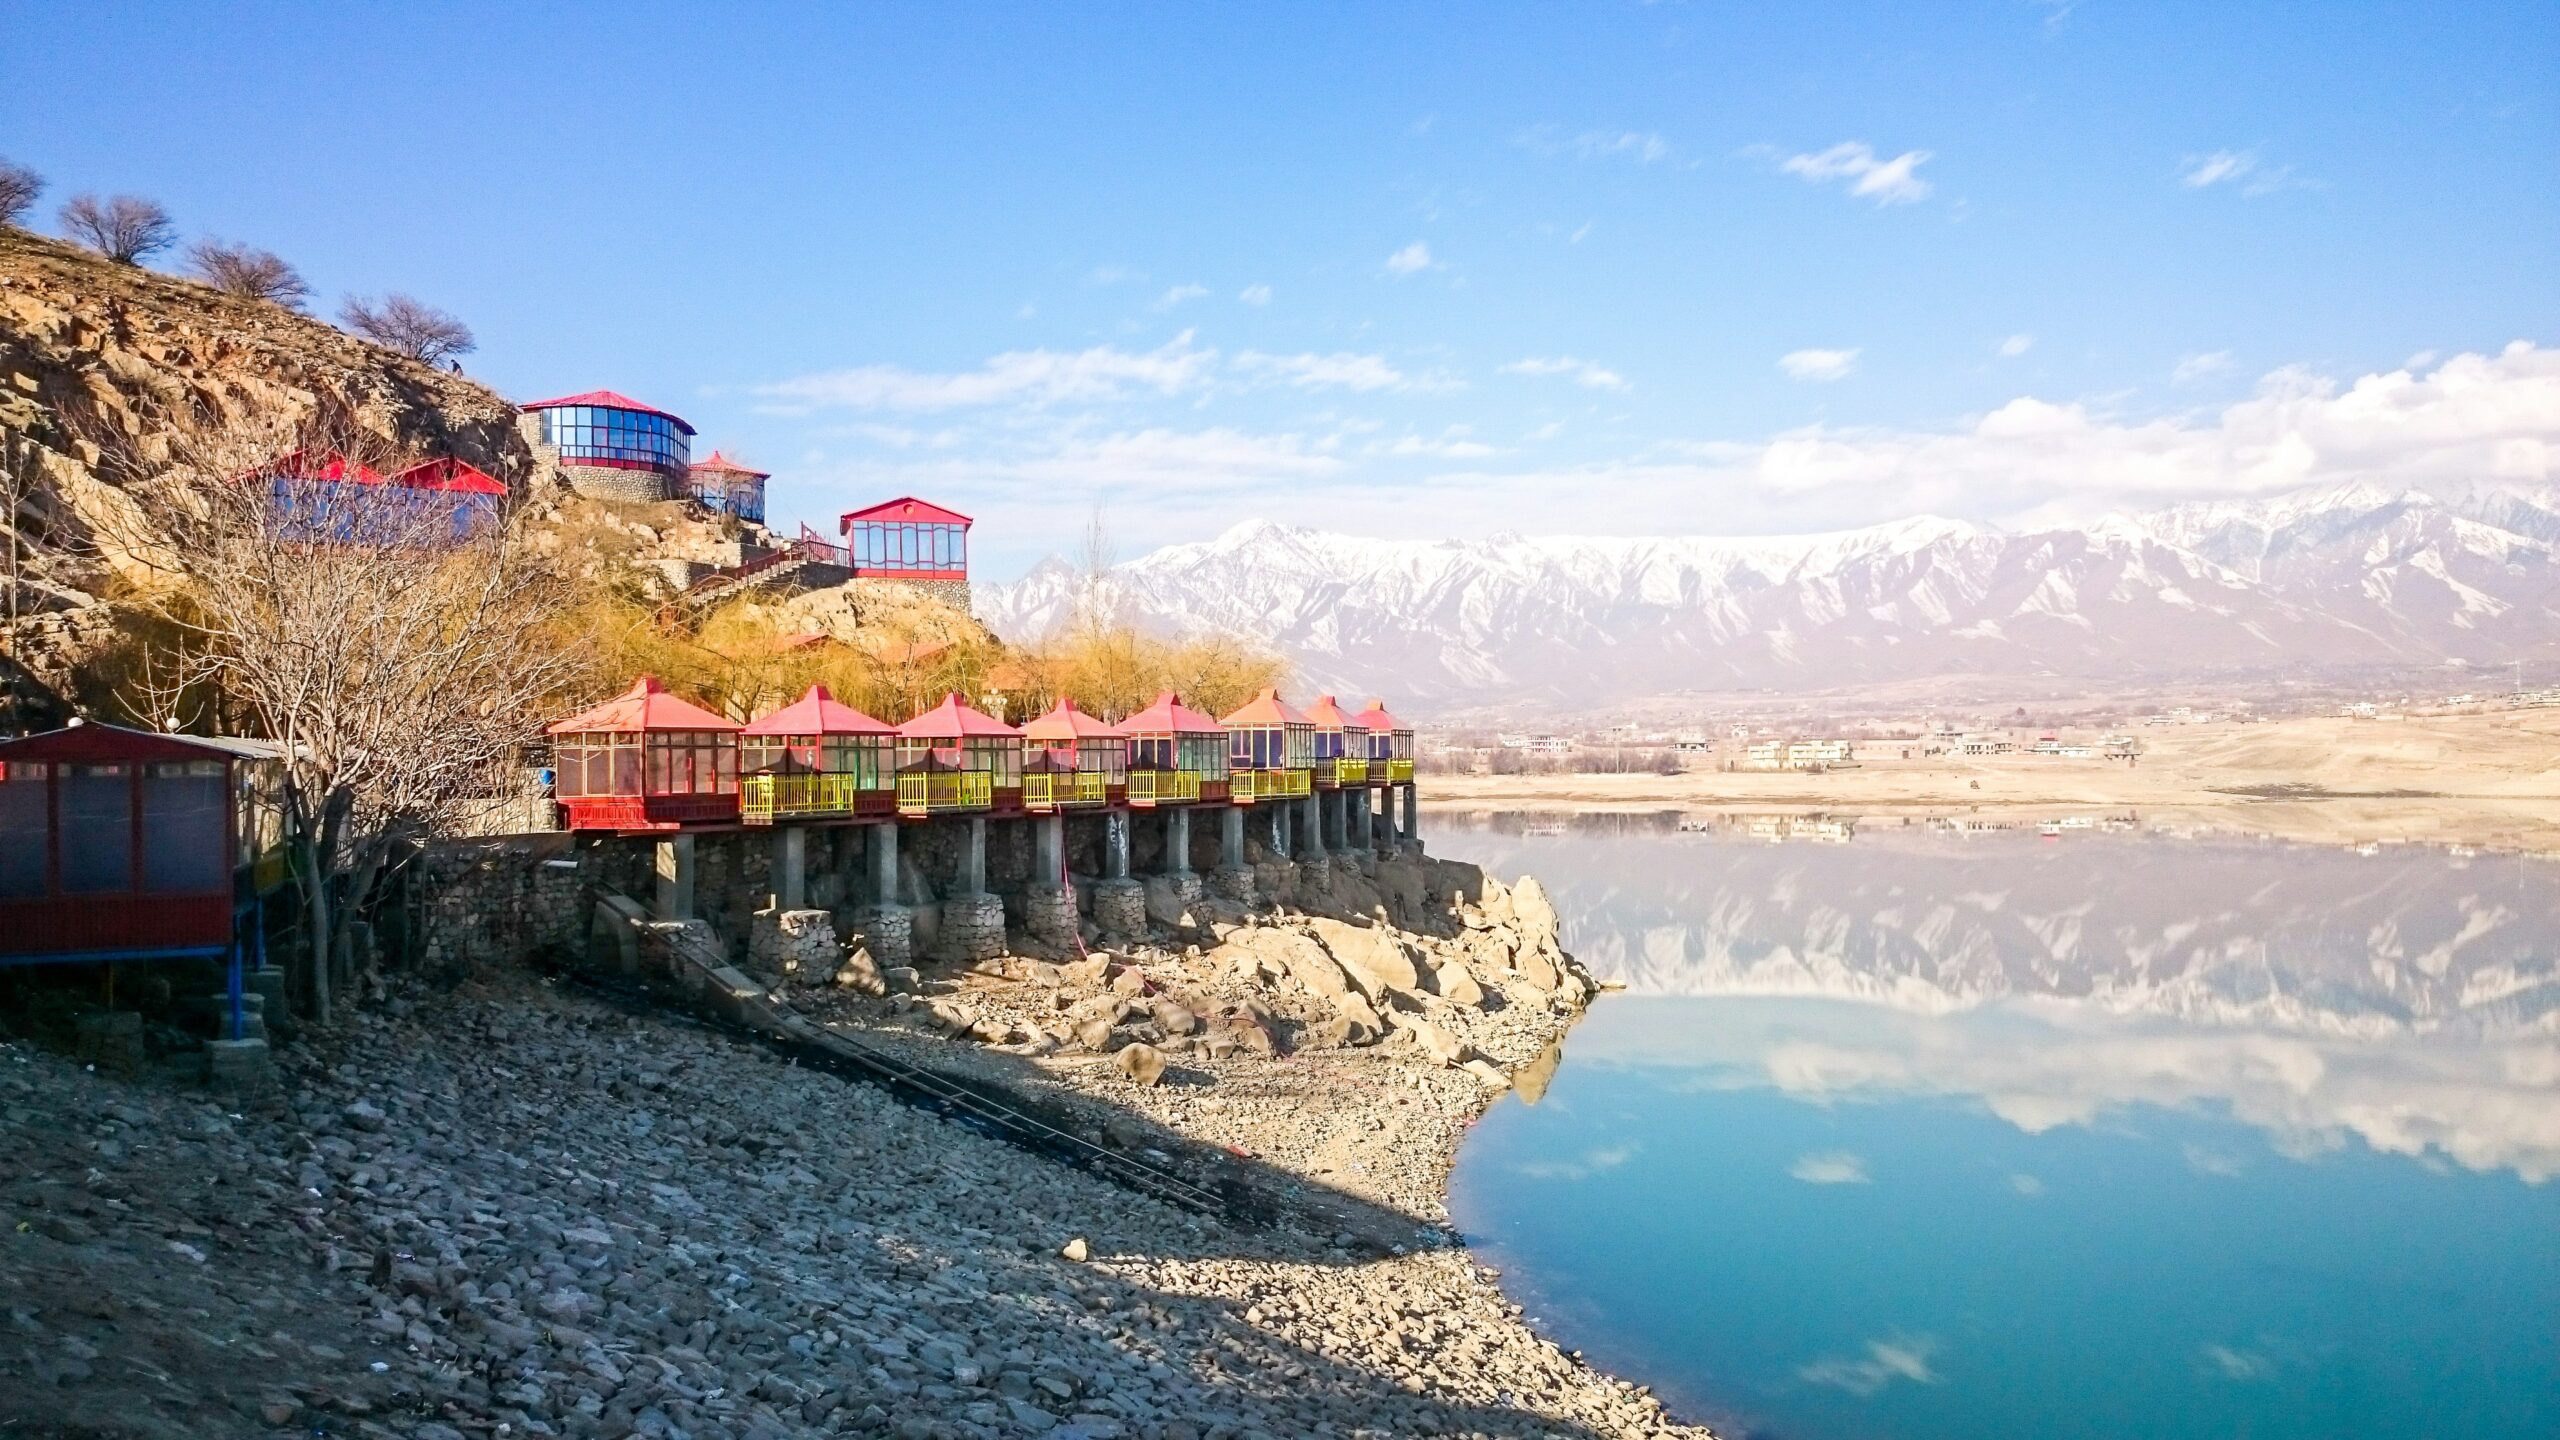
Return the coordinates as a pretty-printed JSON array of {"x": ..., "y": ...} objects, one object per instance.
[{"x": 517, "y": 1208}]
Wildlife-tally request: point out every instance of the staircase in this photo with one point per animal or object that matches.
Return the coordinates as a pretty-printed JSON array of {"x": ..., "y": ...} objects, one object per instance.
[{"x": 807, "y": 563}]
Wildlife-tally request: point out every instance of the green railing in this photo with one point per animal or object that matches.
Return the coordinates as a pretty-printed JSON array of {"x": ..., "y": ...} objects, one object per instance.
[
  {"x": 947, "y": 790},
  {"x": 1159, "y": 787},
  {"x": 1048, "y": 792}
]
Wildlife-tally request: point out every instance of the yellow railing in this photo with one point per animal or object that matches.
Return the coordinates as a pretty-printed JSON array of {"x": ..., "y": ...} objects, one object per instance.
[
  {"x": 1274, "y": 784},
  {"x": 1240, "y": 786},
  {"x": 945, "y": 790},
  {"x": 1399, "y": 772},
  {"x": 1048, "y": 792},
  {"x": 1156, "y": 787},
  {"x": 762, "y": 797},
  {"x": 1347, "y": 771}
]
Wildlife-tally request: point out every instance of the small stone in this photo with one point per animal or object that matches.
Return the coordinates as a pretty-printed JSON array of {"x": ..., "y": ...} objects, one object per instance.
[
  {"x": 1143, "y": 1064},
  {"x": 1077, "y": 1250}
]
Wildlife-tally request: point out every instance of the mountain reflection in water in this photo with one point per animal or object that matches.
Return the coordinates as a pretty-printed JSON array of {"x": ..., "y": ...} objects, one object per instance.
[{"x": 1905, "y": 1131}]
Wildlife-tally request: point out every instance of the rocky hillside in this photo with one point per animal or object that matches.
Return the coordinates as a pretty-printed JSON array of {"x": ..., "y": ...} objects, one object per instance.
[{"x": 2337, "y": 581}]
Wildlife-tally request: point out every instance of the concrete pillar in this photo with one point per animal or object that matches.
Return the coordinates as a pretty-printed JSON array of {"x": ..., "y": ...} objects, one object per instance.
[
  {"x": 675, "y": 878},
  {"x": 1279, "y": 829},
  {"x": 973, "y": 857},
  {"x": 1115, "y": 845},
  {"x": 790, "y": 867},
  {"x": 884, "y": 863},
  {"x": 1309, "y": 824},
  {"x": 1355, "y": 821},
  {"x": 1177, "y": 840},
  {"x": 1231, "y": 836},
  {"x": 1048, "y": 849},
  {"x": 1412, "y": 814}
]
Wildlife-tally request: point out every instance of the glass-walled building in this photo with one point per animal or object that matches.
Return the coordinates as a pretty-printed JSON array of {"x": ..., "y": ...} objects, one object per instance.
[
  {"x": 613, "y": 447},
  {"x": 723, "y": 484},
  {"x": 908, "y": 539}
]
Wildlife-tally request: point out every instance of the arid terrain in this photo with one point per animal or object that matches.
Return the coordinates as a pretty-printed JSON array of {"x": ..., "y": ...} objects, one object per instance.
[{"x": 2485, "y": 779}]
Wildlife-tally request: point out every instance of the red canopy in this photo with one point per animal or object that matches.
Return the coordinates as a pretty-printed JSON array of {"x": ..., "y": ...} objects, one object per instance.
[
  {"x": 1169, "y": 716},
  {"x": 817, "y": 713},
  {"x": 1329, "y": 716},
  {"x": 607, "y": 400},
  {"x": 905, "y": 510},
  {"x": 1067, "y": 725},
  {"x": 645, "y": 706},
  {"x": 1266, "y": 708},
  {"x": 1376, "y": 718},
  {"x": 954, "y": 720},
  {"x": 450, "y": 475}
]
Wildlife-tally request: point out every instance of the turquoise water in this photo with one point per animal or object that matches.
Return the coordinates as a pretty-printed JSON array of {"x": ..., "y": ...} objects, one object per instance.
[{"x": 1926, "y": 1135}]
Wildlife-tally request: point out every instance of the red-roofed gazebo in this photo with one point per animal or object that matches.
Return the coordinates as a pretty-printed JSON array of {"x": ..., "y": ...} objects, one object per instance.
[
  {"x": 1176, "y": 753},
  {"x": 1270, "y": 749},
  {"x": 1075, "y": 759},
  {"x": 646, "y": 760},
  {"x": 1342, "y": 744},
  {"x": 954, "y": 757},
  {"x": 815, "y": 758},
  {"x": 1390, "y": 745}
]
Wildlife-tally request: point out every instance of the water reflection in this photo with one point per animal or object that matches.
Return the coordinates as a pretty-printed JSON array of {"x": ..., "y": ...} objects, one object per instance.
[{"x": 2066, "y": 1128}]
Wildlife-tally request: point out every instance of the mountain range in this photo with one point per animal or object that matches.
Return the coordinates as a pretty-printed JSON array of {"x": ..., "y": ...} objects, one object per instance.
[{"x": 2327, "y": 583}]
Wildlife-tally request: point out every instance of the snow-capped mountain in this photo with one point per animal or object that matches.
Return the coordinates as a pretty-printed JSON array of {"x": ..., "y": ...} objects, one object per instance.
[{"x": 2333, "y": 580}]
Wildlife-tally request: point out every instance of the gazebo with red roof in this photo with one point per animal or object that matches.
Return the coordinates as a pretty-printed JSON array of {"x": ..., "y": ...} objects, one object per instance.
[
  {"x": 1176, "y": 754},
  {"x": 723, "y": 484},
  {"x": 1341, "y": 744},
  {"x": 1270, "y": 749},
  {"x": 815, "y": 758},
  {"x": 1390, "y": 745},
  {"x": 646, "y": 760},
  {"x": 953, "y": 757},
  {"x": 1075, "y": 759},
  {"x": 613, "y": 447},
  {"x": 908, "y": 539}
]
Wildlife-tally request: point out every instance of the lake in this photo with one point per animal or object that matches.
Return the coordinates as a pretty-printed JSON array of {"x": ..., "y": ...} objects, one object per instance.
[{"x": 1903, "y": 1133}]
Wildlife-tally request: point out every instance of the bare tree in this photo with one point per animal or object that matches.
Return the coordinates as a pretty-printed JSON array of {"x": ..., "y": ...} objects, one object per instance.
[
  {"x": 249, "y": 272},
  {"x": 399, "y": 655},
  {"x": 125, "y": 228},
  {"x": 412, "y": 327},
  {"x": 19, "y": 187}
]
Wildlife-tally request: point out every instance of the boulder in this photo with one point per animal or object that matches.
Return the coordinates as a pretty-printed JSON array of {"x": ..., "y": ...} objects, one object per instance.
[
  {"x": 1298, "y": 956},
  {"x": 1173, "y": 1017},
  {"x": 1437, "y": 1043},
  {"x": 1143, "y": 1064},
  {"x": 1536, "y": 914},
  {"x": 1451, "y": 980},
  {"x": 1366, "y": 1026},
  {"x": 859, "y": 972},
  {"x": 1250, "y": 1027},
  {"x": 1488, "y": 1072},
  {"x": 1093, "y": 1031},
  {"x": 1376, "y": 958}
]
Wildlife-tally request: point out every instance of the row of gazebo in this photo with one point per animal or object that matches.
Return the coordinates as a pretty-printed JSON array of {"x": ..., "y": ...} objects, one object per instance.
[{"x": 649, "y": 760}]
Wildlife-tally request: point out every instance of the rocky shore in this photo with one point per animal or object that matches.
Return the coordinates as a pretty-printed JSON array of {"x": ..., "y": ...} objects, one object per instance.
[{"x": 516, "y": 1209}]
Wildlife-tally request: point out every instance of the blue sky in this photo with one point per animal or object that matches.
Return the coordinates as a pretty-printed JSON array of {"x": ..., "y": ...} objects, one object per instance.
[{"x": 1434, "y": 270}]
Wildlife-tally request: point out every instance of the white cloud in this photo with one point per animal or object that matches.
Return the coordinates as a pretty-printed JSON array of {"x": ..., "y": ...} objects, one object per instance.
[
  {"x": 1644, "y": 147},
  {"x": 1583, "y": 372},
  {"x": 1036, "y": 377},
  {"x": 2016, "y": 345},
  {"x": 1580, "y": 233},
  {"x": 1342, "y": 370},
  {"x": 1886, "y": 182},
  {"x": 1819, "y": 366},
  {"x": 1412, "y": 259},
  {"x": 2233, "y": 1364},
  {"x": 2192, "y": 368},
  {"x": 1886, "y": 1361},
  {"x": 1837, "y": 1167},
  {"x": 1452, "y": 444},
  {"x": 1112, "y": 275},
  {"x": 1255, "y": 295},
  {"x": 2026, "y": 1185},
  {"x": 2199, "y": 171},
  {"x": 1588, "y": 1164},
  {"x": 1179, "y": 294}
]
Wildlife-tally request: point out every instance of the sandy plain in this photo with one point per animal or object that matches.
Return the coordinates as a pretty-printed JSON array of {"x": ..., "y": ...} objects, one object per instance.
[{"x": 2490, "y": 780}]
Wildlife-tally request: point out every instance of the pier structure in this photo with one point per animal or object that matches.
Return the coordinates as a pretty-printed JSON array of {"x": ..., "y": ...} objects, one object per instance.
[{"x": 936, "y": 835}]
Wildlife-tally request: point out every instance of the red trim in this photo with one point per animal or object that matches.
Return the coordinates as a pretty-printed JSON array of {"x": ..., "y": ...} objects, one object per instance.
[
  {"x": 905, "y": 510},
  {"x": 73, "y": 923},
  {"x": 607, "y": 400},
  {"x": 608, "y": 462},
  {"x": 953, "y": 572}
]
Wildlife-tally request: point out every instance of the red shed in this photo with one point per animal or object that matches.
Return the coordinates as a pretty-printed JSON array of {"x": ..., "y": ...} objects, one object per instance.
[
  {"x": 117, "y": 844},
  {"x": 815, "y": 758},
  {"x": 646, "y": 760},
  {"x": 908, "y": 539}
]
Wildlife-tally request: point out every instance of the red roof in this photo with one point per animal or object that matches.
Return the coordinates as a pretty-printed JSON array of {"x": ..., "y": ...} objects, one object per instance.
[
  {"x": 1376, "y": 718},
  {"x": 1329, "y": 716},
  {"x": 610, "y": 400},
  {"x": 1065, "y": 725},
  {"x": 645, "y": 706},
  {"x": 452, "y": 475},
  {"x": 726, "y": 466},
  {"x": 905, "y": 510},
  {"x": 954, "y": 720},
  {"x": 85, "y": 741},
  {"x": 1169, "y": 716},
  {"x": 1266, "y": 708},
  {"x": 817, "y": 713}
]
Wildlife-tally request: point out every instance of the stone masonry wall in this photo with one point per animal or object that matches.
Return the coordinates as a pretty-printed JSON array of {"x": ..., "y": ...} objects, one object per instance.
[{"x": 486, "y": 902}]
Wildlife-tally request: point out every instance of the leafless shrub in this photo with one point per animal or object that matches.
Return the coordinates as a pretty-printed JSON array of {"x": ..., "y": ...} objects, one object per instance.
[
  {"x": 125, "y": 228},
  {"x": 411, "y": 327},
  {"x": 248, "y": 272},
  {"x": 19, "y": 187},
  {"x": 400, "y": 664}
]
